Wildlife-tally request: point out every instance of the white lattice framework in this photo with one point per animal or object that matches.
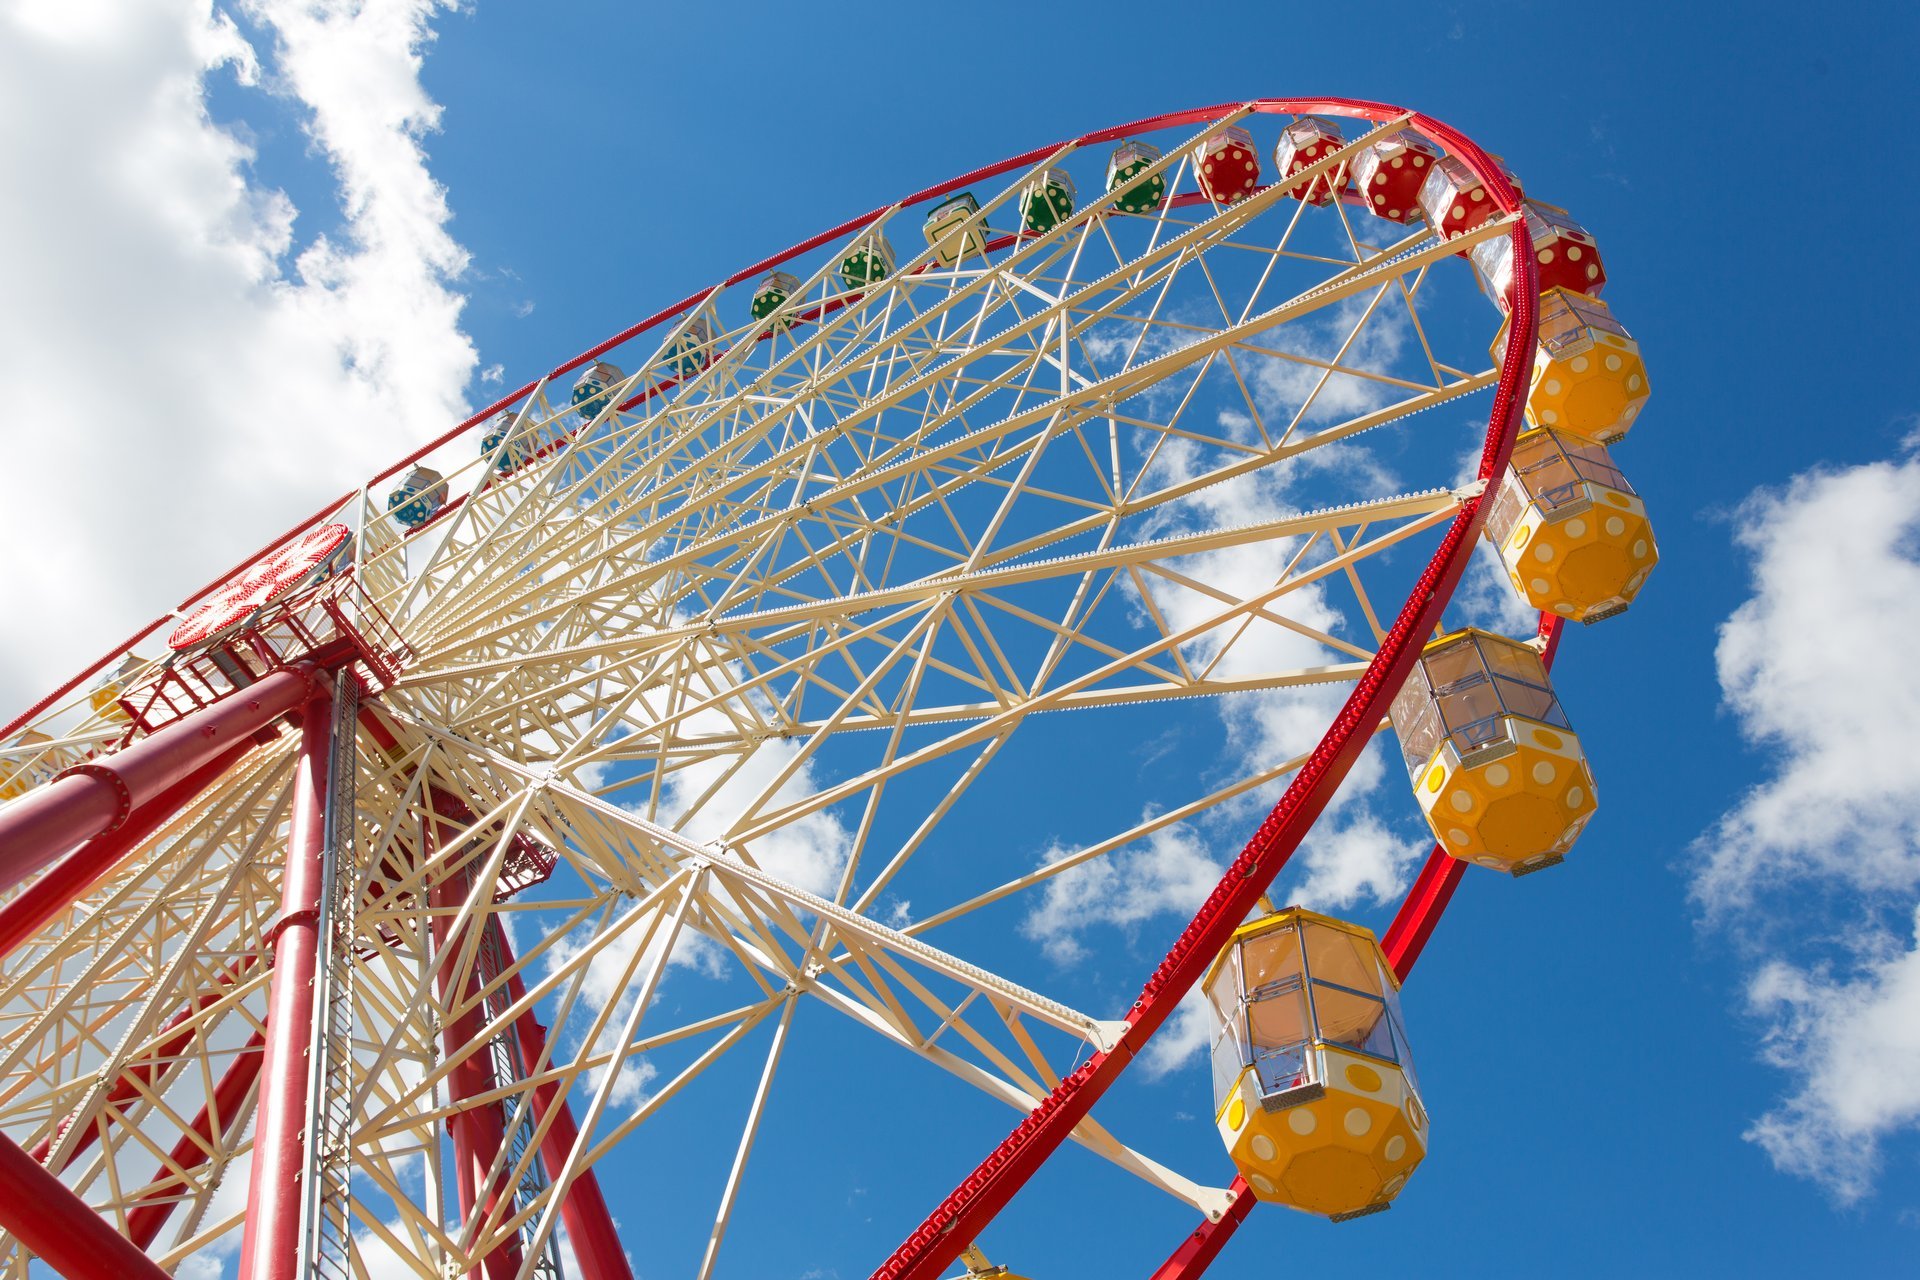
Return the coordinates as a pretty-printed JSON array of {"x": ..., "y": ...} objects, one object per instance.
[{"x": 733, "y": 652}]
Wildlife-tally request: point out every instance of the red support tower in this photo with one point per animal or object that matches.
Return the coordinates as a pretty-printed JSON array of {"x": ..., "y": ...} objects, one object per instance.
[
  {"x": 584, "y": 1211},
  {"x": 270, "y": 1247},
  {"x": 39, "y": 1211},
  {"x": 479, "y": 1130},
  {"x": 99, "y": 797}
]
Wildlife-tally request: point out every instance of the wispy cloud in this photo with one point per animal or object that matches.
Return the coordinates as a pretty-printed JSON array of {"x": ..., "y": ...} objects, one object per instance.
[{"x": 1824, "y": 854}]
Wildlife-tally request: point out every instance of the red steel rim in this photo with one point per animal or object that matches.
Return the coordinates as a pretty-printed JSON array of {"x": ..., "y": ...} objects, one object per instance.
[{"x": 959, "y": 1217}]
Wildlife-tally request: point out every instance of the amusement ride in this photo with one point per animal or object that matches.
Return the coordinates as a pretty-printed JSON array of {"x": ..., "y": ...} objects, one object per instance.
[{"x": 558, "y": 781}]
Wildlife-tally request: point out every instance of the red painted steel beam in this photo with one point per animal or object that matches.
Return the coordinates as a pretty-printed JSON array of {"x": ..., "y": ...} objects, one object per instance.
[
  {"x": 56, "y": 1225},
  {"x": 269, "y": 1247},
  {"x": 480, "y": 1131},
  {"x": 1421, "y": 909},
  {"x": 156, "y": 1202},
  {"x": 99, "y": 796},
  {"x": 584, "y": 1209},
  {"x": 67, "y": 880},
  {"x": 959, "y": 1219},
  {"x": 1204, "y": 1243}
]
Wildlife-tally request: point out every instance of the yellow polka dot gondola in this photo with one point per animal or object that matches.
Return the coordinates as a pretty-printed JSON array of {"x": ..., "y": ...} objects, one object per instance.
[
  {"x": 1314, "y": 1091},
  {"x": 29, "y": 765},
  {"x": 105, "y": 696},
  {"x": 1572, "y": 533},
  {"x": 1496, "y": 767},
  {"x": 1588, "y": 378}
]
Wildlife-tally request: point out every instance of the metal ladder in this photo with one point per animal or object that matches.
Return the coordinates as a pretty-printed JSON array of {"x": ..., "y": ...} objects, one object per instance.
[{"x": 326, "y": 1236}]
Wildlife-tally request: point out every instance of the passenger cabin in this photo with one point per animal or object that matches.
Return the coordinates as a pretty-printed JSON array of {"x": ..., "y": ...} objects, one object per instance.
[
  {"x": 691, "y": 350},
  {"x": 954, "y": 231},
  {"x": 1047, "y": 200},
  {"x": 772, "y": 293},
  {"x": 1128, "y": 160},
  {"x": 418, "y": 497},
  {"x": 1389, "y": 172},
  {"x": 1313, "y": 1085},
  {"x": 1303, "y": 143},
  {"x": 1226, "y": 165},
  {"x": 1564, "y": 254},
  {"x": 518, "y": 448},
  {"x": 868, "y": 261},
  {"x": 593, "y": 389},
  {"x": 1454, "y": 199},
  {"x": 1495, "y": 765},
  {"x": 107, "y": 692},
  {"x": 1588, "y": 378},
  {"x": 25, "y": 765},
  {"x": 1571, "y": 531}
]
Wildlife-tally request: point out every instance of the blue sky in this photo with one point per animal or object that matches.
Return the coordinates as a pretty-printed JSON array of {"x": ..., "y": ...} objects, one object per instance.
[{"x": 1596, "y": 1044}]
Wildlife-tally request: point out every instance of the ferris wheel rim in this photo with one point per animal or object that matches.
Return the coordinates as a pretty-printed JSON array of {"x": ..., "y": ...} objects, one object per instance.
[{"x": 1454, "y": 547}]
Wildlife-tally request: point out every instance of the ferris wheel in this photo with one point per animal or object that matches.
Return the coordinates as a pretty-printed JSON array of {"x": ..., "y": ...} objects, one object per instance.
[{"x": 566, "y": 777}]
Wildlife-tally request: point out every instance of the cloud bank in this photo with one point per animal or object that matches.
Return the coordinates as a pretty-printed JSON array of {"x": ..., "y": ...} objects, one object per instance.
[{"x": 191, "y": 362}]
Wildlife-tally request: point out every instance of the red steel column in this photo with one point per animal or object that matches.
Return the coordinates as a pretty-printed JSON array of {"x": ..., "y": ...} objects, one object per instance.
[
  {"x": 99, "y": 796},
  {"x": 269, "y": 1247},
  {"x": 1207, "y": 1239},
  {"x": 478, "y": 1132},
  {"x": 584, "y": 1209},
  {"x": 79, "y": 871},
  {"x": 57, "y": 1226}
]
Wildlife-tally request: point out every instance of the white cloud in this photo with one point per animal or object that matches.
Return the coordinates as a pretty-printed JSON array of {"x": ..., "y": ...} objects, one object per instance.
[
  {"x": 1350, "y": 852},
  {"x": 1816, "y": 669},
  {"x": 607, "y": 982},
  {"x": 1280, "y": 387},
  {"x": 1351, "y": 855},
  {"x": 709, "y": 799},
  {"x": 1486, "y": 598},
  {"x": 1356, "y": 860},
  {"x": 1169, "y": 871},
  {"x": 1185, "y": 1036},
  {"x": 808, "y": 851},
  {"x": 187, "y": 368},
  {"x": 1853, "y": 1043}
]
